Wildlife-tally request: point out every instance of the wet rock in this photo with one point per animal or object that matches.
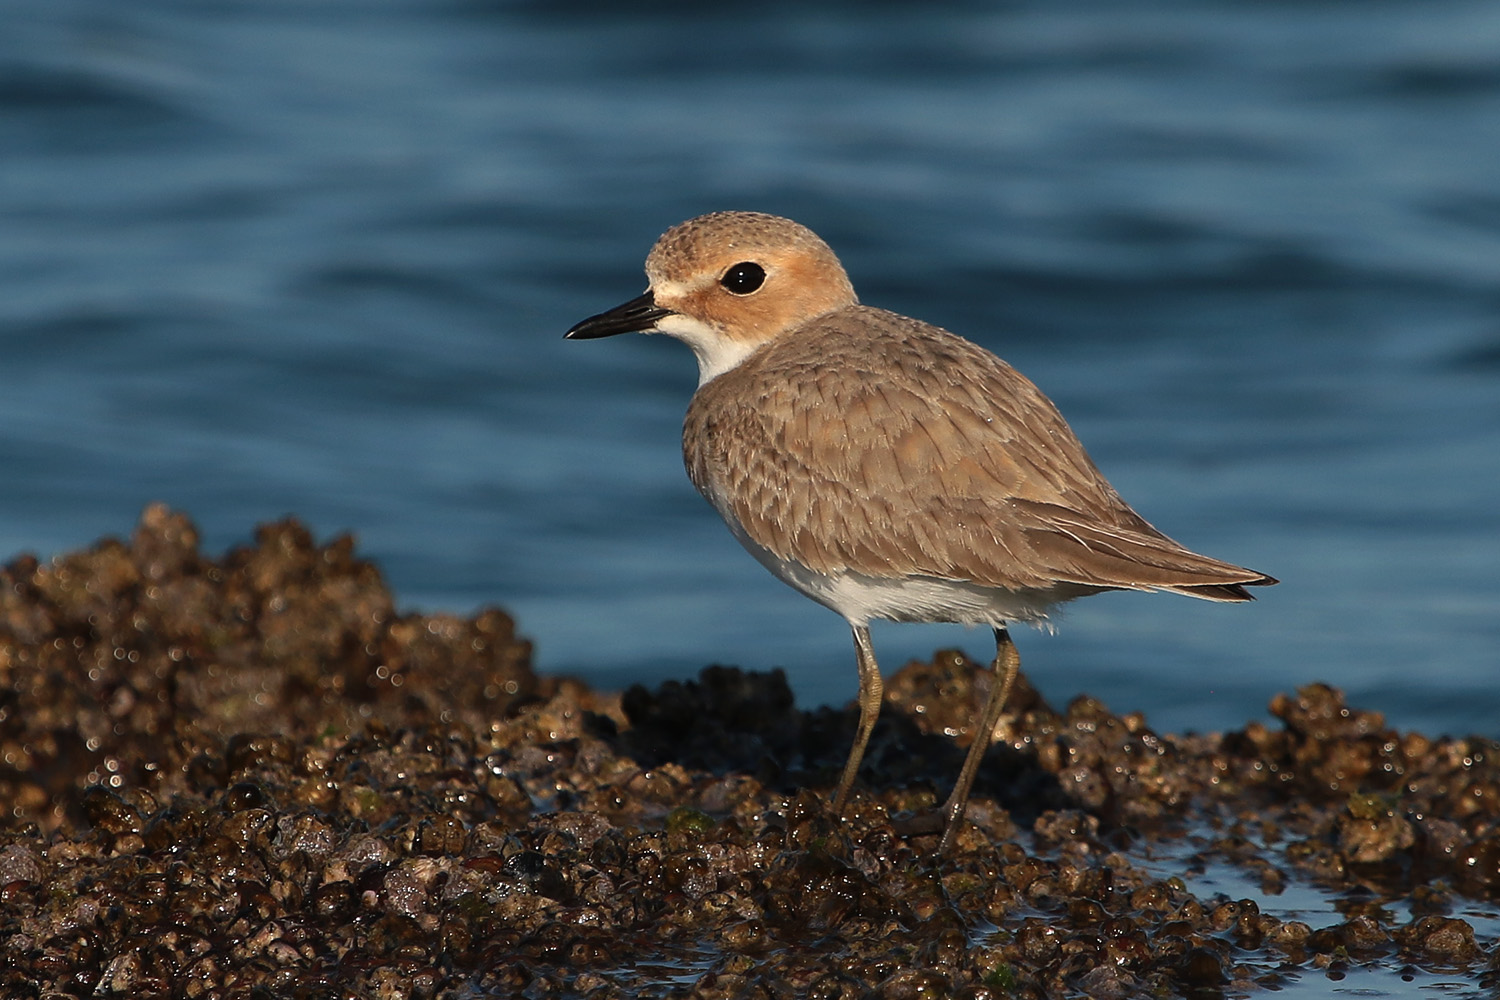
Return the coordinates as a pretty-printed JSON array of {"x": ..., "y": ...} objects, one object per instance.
[
  {"x": 1373, "y": 830},
  {"x": 19, "y": 864},
  {"x": 251, "y": 775},
  {"x": 1446, "y": 940},
  {"x": 1201, "y": 968}
]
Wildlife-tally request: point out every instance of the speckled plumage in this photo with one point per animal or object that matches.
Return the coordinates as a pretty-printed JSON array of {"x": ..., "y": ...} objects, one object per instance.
[
  {"x": 883, "y": 466},
  {"x": 872, "y": 442}
]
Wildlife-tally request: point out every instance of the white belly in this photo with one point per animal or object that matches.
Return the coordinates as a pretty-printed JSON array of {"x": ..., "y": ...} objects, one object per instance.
[{"x": 859, "y": 597}]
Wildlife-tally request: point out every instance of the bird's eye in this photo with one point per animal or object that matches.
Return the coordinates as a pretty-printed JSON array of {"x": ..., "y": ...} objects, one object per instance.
[{"x": 744, "y": 278}]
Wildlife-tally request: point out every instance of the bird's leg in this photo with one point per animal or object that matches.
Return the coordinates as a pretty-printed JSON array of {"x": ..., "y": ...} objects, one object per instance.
[
  {"x": 871, "y": 690},
  {"x": 1007, "y": 662}
]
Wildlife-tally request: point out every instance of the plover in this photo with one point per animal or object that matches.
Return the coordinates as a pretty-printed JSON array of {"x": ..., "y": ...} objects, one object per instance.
[{"x": 885, "y": 467}]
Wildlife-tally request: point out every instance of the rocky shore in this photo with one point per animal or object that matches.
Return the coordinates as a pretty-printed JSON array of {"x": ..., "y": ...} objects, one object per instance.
[{"x": 251, "y": 776}]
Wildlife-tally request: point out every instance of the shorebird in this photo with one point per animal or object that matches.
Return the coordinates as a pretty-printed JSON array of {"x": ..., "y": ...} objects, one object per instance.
[{"x": 884, "y": 467}]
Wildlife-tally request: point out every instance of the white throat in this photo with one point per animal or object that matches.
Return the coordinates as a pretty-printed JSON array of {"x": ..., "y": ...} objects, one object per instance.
[{"x": 715, "y": 352}]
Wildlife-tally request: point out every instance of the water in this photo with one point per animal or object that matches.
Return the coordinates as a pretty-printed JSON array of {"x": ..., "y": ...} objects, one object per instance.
[
  {"x": 1389, "y": 975},
  {"x": 262, "y": 257}
]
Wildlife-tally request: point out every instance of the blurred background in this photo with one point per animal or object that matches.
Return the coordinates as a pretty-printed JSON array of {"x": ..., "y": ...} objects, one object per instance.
[{"x": 261, "y": 257}]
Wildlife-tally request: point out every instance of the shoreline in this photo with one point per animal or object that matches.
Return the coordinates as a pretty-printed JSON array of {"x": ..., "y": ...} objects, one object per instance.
[{"x": 219, "y": 774}]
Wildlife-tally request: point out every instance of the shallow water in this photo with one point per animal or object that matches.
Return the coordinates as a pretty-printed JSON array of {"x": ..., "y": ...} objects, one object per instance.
[
  {"x": 1319, "y": 907},
  {"x": 260, "y": 258}
]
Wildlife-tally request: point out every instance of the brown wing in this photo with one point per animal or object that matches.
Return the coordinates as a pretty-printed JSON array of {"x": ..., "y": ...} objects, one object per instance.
[{"x": 880, "y": 444}]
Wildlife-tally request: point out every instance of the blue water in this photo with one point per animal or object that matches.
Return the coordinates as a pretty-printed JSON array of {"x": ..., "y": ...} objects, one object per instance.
[{"x": 264, "y": 257}]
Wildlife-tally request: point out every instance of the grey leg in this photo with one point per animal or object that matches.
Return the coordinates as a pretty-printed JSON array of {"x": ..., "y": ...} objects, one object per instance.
[
  {"x": 871, "y": 690},
  {"x": 1007, "y": 662}
]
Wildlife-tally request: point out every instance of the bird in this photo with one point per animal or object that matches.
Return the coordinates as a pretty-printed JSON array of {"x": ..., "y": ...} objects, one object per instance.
[{"x": 884, "y": 467}]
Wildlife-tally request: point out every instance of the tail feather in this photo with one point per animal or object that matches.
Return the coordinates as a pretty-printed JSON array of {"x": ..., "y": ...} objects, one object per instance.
[
  {"x": 1225, "y": 591},
  {"x": 1084, "y": 551}
]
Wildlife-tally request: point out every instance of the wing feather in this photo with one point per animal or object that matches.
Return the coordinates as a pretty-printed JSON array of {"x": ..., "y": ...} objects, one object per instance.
[{"x": 883, "y": 445}]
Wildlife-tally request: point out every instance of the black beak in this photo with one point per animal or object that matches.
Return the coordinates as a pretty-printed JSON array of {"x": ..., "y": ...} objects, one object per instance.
[{"x": 636, "y": 316}]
